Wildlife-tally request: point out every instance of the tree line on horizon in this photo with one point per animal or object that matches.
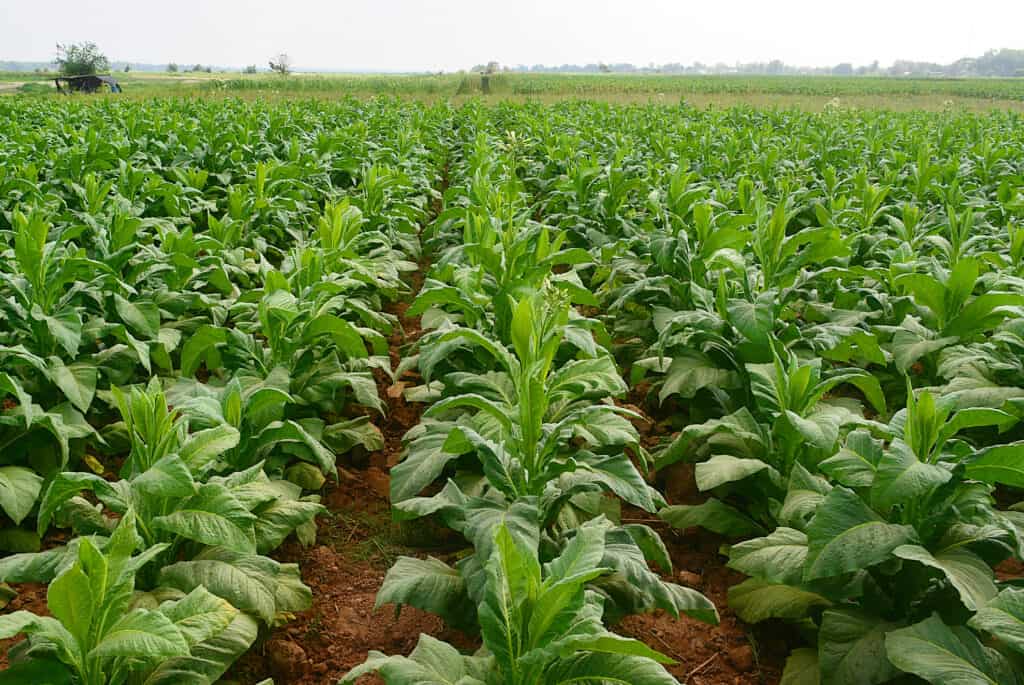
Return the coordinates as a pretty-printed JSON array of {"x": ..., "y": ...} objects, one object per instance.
[
  {"x": 994, "y": 63},
  {"x": 86, "y": 58}
]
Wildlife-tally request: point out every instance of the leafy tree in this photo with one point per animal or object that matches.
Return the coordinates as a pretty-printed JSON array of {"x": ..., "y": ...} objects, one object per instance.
[
  {"x": 282, "y": 64},
  {"x": 251, "y": 69},
  {"x": 81, "y": 58},
  {"x": 172, "y": 68}
]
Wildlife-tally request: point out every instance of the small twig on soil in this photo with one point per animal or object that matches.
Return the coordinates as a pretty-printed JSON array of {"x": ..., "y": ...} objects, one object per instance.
[
  {"x": 704, "y": 664},
  {"x": 668, "y": 648},
  {"x": 351, "y": 531}
]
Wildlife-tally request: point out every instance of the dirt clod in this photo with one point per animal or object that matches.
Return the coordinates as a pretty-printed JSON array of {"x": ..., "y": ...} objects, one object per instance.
[
  {"x": 287, "y": 659},
  {"x": 680, "y": 484},
  {"x": 742, "y": 658},
  {"x": 378, "y": 481},
  {"x": 689, "y": 579}
]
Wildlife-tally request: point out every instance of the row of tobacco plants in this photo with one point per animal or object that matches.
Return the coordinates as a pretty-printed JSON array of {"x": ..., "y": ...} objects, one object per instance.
[
  {"x": 824, "y": 309},
  {"x": 191, "y": 297}
]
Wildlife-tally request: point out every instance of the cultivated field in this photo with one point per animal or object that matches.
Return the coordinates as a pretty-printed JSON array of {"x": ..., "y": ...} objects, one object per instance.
[
  {"x": 808, "y": 93},
  {"x": 424, "y": 390}
]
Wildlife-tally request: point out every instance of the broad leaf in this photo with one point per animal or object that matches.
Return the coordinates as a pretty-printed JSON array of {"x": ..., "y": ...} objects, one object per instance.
[
  {"x": 1003, "y": 618},
  {"x": 846, "y": 535},
  {"x": 948, "y": 656},
  {"x": 756, "y": 600},
  {"x": 19, "y": 490},
  {"x": 851, "y": 648},
  {"x": 713, "y": 515}
]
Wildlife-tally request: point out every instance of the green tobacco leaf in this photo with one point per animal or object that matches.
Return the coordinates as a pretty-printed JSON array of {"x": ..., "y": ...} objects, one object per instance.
[
  {"x": 692, "y": 372},
  {"x": 948, "y": 656},
  {"x": 45, "y": 627},
  {"x": 280, "y": 519},
  {"x": 723, "y": 468},
  {"x": 344, "y": 435},
  {"x": 203, "y": 447},
  {"x": 713, "y": 515},
  {"x": 801, "y": 668},
  {"x": 754, "y": 321},
  {"x": 851, "y": 648},
  {"x": 634, "y": 588},
  {"x": 432, "y": 663},
  {"x": 856, "y": 463},
  {"x": 142, "y": 634},
  {"x": 233, "y": 583},
  {"x": 983, "y": 313},
  {"x": 867, "y": 384},
  {"x": 902, "y": 477},
  {"x": 431, "y": 585},
  {"x": 305, "y": 475},
  {"x": 38, "y": 567},
  {"x": 281, "y": 434},
  {"x": 169, "y": 477},
  {"x": 805, "y": 494},
  {"x": 9, "y": 385},
  {"x": 202, "y": 346},
  {"x": 213, "y": 516},
  {"x": 579, "y": 378},
  {"x": 846, "y": 535},
  {"x": 65, "y": 327},
  {"x": 1000, "y": 464},
  {"x": 255, "y": 584},
  {"x": 68, "y": 484},
  {"x": 777, "y": 558},
  {"x": 76, "y": 381},
  {"x": 511, "y": 588},
  {"x": 600, "y": 641},
  {"x": 19, "y": 490},
  {"x": 740, "y": 432},
  {"x": 1003, "y": 618},
  {"x": 342, "y": 333},
  {"x": 70, "y": 600},
  {"x": 618, "y": 474},
  {"x": 141, "y": 317},
  {"x": 968, "y": 573},
  {"x": 583, "y": 553},
  {"x": 650, "y": 543},
  {"x": 199, "y": 615},
  {"x": 613, "y": 668},
  {"x": 480, "y": 518},
  {"x": 909, "y": 346},
  {"x": 756, "y": 600},
  {"x": 208, "y": 660}
]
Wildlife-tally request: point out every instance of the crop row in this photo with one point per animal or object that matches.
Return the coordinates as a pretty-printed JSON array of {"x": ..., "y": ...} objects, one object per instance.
[{"x": 192, "y": 300}]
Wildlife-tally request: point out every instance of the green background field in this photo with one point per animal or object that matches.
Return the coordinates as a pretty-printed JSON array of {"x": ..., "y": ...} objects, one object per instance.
[{"x": 807, "y": 92}]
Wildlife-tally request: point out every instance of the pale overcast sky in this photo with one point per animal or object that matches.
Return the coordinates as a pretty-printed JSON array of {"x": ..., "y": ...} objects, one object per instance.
[{"x": 418, "y": 35}]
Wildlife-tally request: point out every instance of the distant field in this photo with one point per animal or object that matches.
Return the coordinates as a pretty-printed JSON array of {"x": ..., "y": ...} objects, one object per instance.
[
  {"x": 807, "y": 92},
  {"x": 615, "y": 84}
]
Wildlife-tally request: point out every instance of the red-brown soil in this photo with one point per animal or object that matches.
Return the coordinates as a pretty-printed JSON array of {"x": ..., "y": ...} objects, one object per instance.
[{"x": 344, "y": 570}]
